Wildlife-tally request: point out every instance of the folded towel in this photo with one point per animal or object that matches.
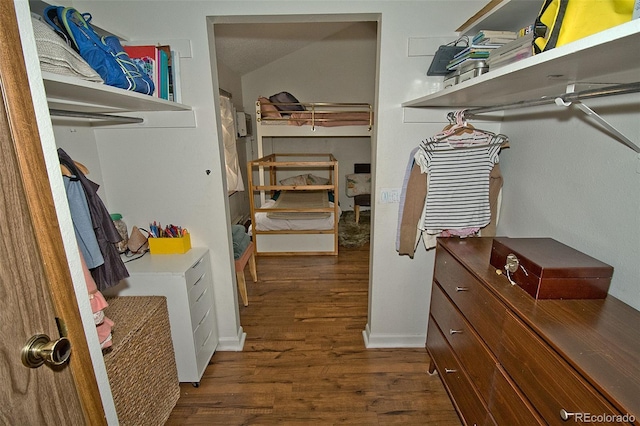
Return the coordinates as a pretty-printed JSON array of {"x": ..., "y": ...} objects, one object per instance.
[{"x": 240, "y": 240}]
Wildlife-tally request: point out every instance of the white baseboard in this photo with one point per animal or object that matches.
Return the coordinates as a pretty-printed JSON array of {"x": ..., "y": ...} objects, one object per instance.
[
  {"x": 232, "y": 344},
  {"x": 377, "y": 340}
]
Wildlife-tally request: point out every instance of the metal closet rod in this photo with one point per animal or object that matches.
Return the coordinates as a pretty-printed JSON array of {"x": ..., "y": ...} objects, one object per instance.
[
  {"x": 94, "y": 116},
  {"x": 618, "y": 89}
]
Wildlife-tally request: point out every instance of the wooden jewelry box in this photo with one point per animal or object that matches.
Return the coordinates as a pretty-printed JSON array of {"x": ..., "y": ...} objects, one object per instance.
[{"x": 548, "y": 269}]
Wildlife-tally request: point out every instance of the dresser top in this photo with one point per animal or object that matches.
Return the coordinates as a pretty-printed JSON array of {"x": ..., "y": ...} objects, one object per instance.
[{"x": 600, "y": 338}]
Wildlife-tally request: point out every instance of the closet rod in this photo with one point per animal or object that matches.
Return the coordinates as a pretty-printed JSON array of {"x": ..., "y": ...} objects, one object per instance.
[
  {"x": 618, "y": 89},
  {"x": 94, "y": 115}
]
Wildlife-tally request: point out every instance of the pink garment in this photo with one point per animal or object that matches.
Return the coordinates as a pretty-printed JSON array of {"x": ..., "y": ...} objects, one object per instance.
[
  {"x": 98, "y": 303},
  {"x": 459, "y": 232}
]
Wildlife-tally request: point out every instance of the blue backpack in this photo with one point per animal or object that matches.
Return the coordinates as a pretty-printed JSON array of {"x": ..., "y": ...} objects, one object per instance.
[{"x": 103, "y": 54}]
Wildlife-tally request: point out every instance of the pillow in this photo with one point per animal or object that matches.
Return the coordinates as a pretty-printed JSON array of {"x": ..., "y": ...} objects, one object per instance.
[
  {"x": 57, "y": 57},
  {"x": 295, "y": 180},
  {"x": 358, "y": 184},
  {"x": 316, "y": 180},
  {"x": 286, "y": 97},
  {"x": 267, "y": 110}
]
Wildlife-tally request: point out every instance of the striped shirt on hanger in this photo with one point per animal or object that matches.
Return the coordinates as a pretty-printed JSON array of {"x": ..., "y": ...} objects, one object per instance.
[{"x": 458, "y": 183}]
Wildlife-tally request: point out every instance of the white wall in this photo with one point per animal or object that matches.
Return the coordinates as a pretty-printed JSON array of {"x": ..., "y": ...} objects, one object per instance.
[{"x": 568, "y": 180}]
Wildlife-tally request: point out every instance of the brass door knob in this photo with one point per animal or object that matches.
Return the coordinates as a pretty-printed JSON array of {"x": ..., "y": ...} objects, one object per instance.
[{"x": 40, "y": 349}]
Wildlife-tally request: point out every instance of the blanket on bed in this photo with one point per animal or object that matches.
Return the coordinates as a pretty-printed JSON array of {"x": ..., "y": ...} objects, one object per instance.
[{"x": 301, "y": 200}]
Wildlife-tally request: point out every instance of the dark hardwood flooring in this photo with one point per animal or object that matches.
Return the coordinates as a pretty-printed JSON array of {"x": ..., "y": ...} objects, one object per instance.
[{"x": 304, "y": 360}]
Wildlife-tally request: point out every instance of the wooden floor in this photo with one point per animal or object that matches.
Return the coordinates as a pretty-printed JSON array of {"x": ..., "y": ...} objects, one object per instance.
[{"x": 304, "y": 360}]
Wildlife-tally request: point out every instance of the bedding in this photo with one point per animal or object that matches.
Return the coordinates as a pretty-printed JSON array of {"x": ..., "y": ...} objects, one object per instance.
[
  {"x": 283, "y": 108},
  {"x": 301, "y": 200}
]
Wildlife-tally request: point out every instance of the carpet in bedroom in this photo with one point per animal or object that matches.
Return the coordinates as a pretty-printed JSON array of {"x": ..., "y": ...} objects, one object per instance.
[{"x": 351, "y": 234}]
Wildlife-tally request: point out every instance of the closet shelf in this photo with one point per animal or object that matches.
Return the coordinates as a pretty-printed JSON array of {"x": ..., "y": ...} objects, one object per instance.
[
  {"x": 72, "y": 94},
  {"x": 605, "y": 58}
]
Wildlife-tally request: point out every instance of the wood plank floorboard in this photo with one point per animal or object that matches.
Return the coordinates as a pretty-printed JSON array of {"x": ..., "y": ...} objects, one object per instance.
[{"x": 304, "y": 360}]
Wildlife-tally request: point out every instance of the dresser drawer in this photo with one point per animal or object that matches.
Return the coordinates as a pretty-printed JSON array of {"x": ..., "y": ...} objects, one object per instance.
[
  {"x": 478, "y": 362},
  {"x": 476, "y": 303},
  {"x": 196, "y": 287},
  {"x": 508, "y": 406},
  {"x": 200, "y": 306},
  {"x": 202, "y": 330},
  {"x": 196, "y": 271},
  {"x": 467, "y": 402},
  {"x": 549, "y": 383}
]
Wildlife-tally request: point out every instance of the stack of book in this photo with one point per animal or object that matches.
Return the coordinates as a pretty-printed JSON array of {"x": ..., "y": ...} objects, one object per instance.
[
  {"x": 480, "y": 48},
  {"x": 161, "y": 65},
  {"x": 518, "y": 49}
]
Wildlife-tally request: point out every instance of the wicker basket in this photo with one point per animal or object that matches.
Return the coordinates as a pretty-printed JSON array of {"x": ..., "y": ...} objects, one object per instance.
[{"x": 141, "y": 363}]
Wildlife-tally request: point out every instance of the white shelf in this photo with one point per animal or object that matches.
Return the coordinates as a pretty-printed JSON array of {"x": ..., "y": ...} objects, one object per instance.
[
  {"x": 609, "y": 57},
  {"x": 73, "y": 94},
  {"x": 507, "y": 15}
]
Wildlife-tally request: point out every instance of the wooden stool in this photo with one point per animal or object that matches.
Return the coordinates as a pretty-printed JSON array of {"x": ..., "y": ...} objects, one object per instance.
[{"x": 247, "y": 256}]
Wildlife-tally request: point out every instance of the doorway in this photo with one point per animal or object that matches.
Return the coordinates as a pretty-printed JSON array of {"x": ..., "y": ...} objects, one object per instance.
[{"x": 316, "y": 58}]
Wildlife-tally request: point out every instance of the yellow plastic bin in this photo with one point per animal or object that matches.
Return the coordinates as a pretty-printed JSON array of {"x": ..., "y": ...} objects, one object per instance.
[{"x": 178, "y": 245}]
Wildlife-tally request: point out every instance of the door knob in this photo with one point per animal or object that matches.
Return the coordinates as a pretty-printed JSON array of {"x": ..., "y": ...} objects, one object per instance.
[{"x": 40, "y": 349}]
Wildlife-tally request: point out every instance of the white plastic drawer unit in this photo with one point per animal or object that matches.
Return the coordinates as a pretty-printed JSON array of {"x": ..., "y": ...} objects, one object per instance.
[{"x": 186, "y": 281}]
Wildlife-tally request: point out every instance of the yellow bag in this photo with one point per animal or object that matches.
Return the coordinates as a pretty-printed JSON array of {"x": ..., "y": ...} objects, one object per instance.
[{"x": 563, "y": 21}]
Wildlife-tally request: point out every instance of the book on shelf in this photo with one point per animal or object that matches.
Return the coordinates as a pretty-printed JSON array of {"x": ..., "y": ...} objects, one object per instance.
[
  {"x": 175, "y": 89},
  {"x": 163, "y": 71},
  {"x": 474, "y": 48},
  {"x": 493, "y": 37},
  {"x": 518, "y": 49}
]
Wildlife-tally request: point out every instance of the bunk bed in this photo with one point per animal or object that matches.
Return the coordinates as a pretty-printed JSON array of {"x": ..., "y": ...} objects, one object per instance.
[
  {"x": 299, "y": 217},
  {"x": 295, "y": 213}
]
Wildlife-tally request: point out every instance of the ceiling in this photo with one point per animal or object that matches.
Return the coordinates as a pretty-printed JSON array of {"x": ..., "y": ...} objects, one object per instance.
[{"x": 246, "y": 47}]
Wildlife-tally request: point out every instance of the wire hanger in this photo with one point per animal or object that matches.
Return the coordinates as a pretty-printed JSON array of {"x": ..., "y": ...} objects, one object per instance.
[{"x": 460, "y": 134}]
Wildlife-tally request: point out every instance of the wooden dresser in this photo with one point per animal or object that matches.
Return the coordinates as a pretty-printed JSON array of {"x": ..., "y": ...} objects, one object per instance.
[{"x": 508, "y": 359}]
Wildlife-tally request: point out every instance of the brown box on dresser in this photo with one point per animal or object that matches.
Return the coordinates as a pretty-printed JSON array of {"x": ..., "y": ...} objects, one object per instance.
[
  {"x": 506, "y": 358},
  {"x": 548, "y": 269}
]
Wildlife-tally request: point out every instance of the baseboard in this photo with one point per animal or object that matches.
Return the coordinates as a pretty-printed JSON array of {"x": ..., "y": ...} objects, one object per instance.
[
  {"x": 377, "y": 340},
  {"x": 232, "y": 344}
]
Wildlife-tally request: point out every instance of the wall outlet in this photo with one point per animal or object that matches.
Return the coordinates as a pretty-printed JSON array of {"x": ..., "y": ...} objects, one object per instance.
[{"x": 389, "y": 195}]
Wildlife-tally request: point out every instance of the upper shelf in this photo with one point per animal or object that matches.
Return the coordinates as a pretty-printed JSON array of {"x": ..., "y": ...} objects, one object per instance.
[
  {"x": 73, "y": 94},
  {"x": 508, "y": 15},
  {"x": 608, "y": 57}
]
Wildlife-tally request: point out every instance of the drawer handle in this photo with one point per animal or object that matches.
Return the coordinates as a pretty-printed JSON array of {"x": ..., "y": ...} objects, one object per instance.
[
  {"x": 462, "y": 288},
  {"x": 200, "y": 297},
  {"x": 204, "y": 317},
  {"x": 452, "y": 331},
  {"x": 195, "y": 265},
  {"x": 199, "y": 279},
  {"x": 207, "y": 339},
  {"x": 450, "y": 370},
  {"x": 565, "y": 415}
]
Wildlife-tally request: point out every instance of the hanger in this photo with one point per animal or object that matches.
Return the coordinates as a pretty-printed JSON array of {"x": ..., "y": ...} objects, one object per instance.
[
  {"x": 67, "y": 172},
  {"x": 459, "y": 127}
]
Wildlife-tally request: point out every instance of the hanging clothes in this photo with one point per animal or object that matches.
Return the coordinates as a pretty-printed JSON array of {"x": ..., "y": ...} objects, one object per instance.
[
  {"x": 81, "y": 218},
  {"x": 458, "y": 194},
  {"x": 413, "y": 194},
  {"x": 112, "y": 270},
  {"x": 451, "y": 187}
]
